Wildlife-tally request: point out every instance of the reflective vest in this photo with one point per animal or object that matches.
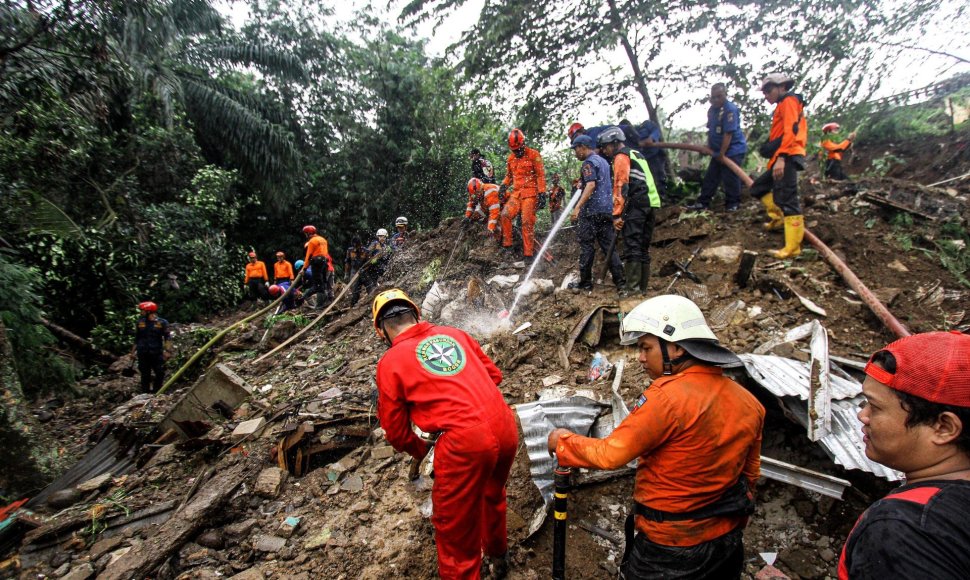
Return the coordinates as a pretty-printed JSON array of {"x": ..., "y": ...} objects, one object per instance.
[{"x": 641, "y": 179}]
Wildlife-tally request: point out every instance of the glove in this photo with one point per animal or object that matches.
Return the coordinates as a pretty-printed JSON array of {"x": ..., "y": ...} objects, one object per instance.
[{"x": 541, "y": 202}]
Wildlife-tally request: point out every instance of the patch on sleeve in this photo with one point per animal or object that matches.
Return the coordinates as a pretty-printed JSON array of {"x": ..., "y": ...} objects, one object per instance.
[
  {"x": 587, "y": 171},
  {"x": 640, "y": 401}
]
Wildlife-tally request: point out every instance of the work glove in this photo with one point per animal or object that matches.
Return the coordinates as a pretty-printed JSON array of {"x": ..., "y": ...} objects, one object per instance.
[{"x": 541, "y": 201}]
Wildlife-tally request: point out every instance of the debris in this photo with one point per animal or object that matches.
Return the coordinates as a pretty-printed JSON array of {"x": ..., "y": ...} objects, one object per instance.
[
  {"x": 361, "y": 363},
  {"x": 269, "y": 482},
  {"x": 288, "y": 527},
  {"x": 81, "y": 572},
  {"x": 536, "y": 286},
  {"x": 318, "y": 540},
  {"x": 64, "y": 498},
  {"x": 503, "y": 282},
  {"x": 353, "y": 483},
  {"x": 769, "y": 572},
  {"x": 211, "y": 539},
  {"x": 600, "y": 367},
  {"x": 94, "y": 483},
  {"x": 249, "y": 574},
  {"x": 522, "y": 327},
  {"x": 240, "y": 529},
  {"x": 898, "y": 266},
  {"x": 382, "y": 452},
  {"x": 247, "y": 428},
  {"x": 569, "y": 279},
  {"x": 745, "y": 268},
  {"x": 551, "y": 380},
  {"x": 269, "y": 543},
  {"x": 726, "y": 254},
  {"x": 809, "y": 305},
  {"x": 769, "y": 557},
  {"x": 220, "y": 386},
  {"x": 804, "y": 478}
]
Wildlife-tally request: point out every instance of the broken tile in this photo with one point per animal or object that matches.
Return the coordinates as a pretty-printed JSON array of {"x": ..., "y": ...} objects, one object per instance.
[
  {"x": 269, "y": 481},
  {"x": 247, "y": 428}
]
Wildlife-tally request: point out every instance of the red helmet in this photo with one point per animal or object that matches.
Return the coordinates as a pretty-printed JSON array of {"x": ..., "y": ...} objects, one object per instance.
[
  {"x": 573, "y": 129},
  {"x": 474, "y": 185},
  {"x": 275, "y": 290},
  {"x": 309, "y": 230},
  {"x": 516, "y": 139},
  {"x": 252, "y": 254},
  {"x": 148, "y": 307},
  {"x": 830, "y": 127}
]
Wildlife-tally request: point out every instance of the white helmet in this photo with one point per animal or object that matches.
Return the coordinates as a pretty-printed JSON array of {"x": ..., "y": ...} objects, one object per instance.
[
  {"x": 677, "y": 319},
  {"x": 780, "y": 79},
  {"x": 381, "y": 232},
  {"x": 401, "y": 221}
]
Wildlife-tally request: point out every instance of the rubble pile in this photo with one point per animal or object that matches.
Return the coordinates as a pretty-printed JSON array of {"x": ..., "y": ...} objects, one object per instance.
[{"x": 278, "y": 468}]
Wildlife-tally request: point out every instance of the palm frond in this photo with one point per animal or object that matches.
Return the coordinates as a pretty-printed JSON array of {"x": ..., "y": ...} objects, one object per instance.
[
  {"x": 48, "y": 217},
  {"x": 270, "y": 61}
]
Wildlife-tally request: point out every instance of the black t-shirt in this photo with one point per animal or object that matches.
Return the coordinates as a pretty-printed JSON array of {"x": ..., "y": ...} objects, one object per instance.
[{"x": 919, "y": 531}]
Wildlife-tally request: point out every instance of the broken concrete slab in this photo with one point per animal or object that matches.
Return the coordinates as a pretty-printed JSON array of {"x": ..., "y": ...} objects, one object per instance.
[
  {"x": 247, "y": 428},
  {"x": 269, "y": 481},
  {"x": 503, "y": 282},
  {"x": 382, "y": 452},
  {"x": 219, "y": 384}
]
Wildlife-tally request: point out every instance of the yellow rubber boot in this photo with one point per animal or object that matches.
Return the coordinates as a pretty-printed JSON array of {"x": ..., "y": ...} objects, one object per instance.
[
  {"x": 794, "y": 232},
  {"x": 775, "y": 215}
]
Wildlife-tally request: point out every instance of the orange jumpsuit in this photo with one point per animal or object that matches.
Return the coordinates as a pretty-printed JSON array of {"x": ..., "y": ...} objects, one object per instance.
[
  {"x": 789, "y": 112},
  {"x": 487, "y": 201},
  {"x": 283, "y": 271},
  {"x": 528, "y": 177},
  {"x": 255, "y": 271},
  {"x": 695, "y": 434},
  {"x": 316, "y": 246},
  {"x": 836, "y": 149}
]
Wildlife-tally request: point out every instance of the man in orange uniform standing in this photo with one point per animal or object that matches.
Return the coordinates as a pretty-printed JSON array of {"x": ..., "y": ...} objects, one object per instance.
[
  {"x": 833, "y": 161},
  {"x": 282, "y": 270},
  {"x": 483, "y": 199},
  {"x": 785, "y": 150},
  {"x": 318, "y": 258},
  {"x": 438, "y": 378},
  {"x": 525, "y": 173},
  {"x": 697, "y": 437},
  {"x": 256, "y": 279}
]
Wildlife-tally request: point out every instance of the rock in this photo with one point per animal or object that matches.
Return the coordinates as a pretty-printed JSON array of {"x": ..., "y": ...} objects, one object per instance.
[
  {"x": 94, "y": 483},
  {"x": 804, "y": 508},
  {"x": 358, "y": 364},
  {"x": 503, "y": 282},
  {"x": 164, "y": 455},
  {"x": 801, "y": 561},
  {"x": 898, "y": 266},
  {"x": 64, "y": 498},
  {"x": 250, "y": 574},
  {"x": 247, "y": 428},
  {"x": 353, "y": 483},
  {"x": 269, "y": 481},
  {"x": 102, "y": 547},
  {"x": 62, "y": 570},
  {"x": 382, "y": 452},
  {"x": 211, "y": 539},
  {"x": 44, "y": 415},
  {"x": 268, "y": 543},
  {"x": 319, "y": 539},
  {"x": 82, "y": 572},
  {"x": 770, "y": 573},
  {"x": 551, "y": 380},
  {"x": 725, "y": 254},
  {"x": 827, "y": 554},
  {"x": 288, "y": 527},
  {"x": 239, "y": 529}
]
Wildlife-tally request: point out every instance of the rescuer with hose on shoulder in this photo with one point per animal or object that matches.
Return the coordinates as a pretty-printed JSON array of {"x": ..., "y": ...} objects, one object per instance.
[{"x": 696, "y": 435}]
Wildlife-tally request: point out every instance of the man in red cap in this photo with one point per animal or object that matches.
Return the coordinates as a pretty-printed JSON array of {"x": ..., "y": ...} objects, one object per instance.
[
  {"x": 916, "y": 419},
  {"x": 438, "y": 378}
]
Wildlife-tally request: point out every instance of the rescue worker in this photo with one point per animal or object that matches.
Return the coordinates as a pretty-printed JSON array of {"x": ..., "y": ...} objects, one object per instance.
[
  {"x": 785, "y": 150},
  {"x": 557, "y": 195},
  {"x": 527, "y": 176},
  {"x": 483, "y": 197},
  {"x": 377, "y": 255},
  {"x": 354, "y": 257},
  {"x": 726, "y": 140},
  {"x": 256, "y": 279},
  {"x": 697, "y": 437},
  {"x": 481, "y": 167},
  {"x": 593, "y": 212},
  {"x": 290, "y": 301},
  {"x": 282, "y": 269},
  {"x": 577, "y": 129},
  {"x": 635, "y": 197},
  {"x": 833, "y": 161},
  {"x": 438, "y": 378},
  {"x": 400, "y": 237},
  {"x": 317, "y": 256},
  {"x": 153, "y": 344},
  {"x": 916, "y": 419},
  {"x": 649, "y": 133},
  {"x": 298, "y": 266}
]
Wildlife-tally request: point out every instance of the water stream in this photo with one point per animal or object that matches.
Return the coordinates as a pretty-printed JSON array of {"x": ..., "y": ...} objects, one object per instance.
[{"x": 539, "y": 256}]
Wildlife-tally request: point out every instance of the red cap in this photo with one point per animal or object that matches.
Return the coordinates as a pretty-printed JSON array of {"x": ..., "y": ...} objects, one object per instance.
[
  {"x": 934, "y": 366},
  {"x": 148, "y": 307},
  {"x": 252, "y": 254},
  {"x": 830, "y": 127}
]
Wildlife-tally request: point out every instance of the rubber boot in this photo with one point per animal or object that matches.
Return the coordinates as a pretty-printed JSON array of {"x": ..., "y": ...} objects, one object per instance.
[
  {"x": 644, "y": 277},
  {"x": 631, "y": 273},
  {"x": 776, "y": 218},
  {"x": 794, "y": 232}
]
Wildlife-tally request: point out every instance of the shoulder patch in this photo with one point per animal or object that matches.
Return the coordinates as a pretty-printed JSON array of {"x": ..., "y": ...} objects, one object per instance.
[{"x": 441, "y": 355}]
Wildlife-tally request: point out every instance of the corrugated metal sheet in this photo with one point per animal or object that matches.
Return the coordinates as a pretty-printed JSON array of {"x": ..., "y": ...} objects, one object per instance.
[
  {"x": 540, "y": 418},
  {"x": 786, "y": 377},
  {"x": 108, "y": 456}
]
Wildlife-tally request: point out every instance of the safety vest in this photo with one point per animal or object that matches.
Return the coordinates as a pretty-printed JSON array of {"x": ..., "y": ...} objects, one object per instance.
[{"x": 641, "y": 179}]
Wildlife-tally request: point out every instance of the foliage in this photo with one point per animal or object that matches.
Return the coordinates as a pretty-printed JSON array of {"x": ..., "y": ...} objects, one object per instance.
[
  {"x": 882, "y": 165},
  {"x": 299, "y": 320},
  {"x": 37, "y": 366}
]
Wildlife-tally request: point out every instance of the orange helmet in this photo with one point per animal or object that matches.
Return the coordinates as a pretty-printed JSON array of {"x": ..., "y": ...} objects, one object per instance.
[
  {"x": 516, "y": 139},
  {"x": 148, "y": 307},
  {"x": 309, "y": 230},
  {"x": 573, "y": 129},
  {"x": 275, "y": 290},
  {"x": 474, "y": 185}
]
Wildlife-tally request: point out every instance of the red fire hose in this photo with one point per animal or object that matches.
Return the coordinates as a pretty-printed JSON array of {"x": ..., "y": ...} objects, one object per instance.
[{"x": 877, "y": 307}]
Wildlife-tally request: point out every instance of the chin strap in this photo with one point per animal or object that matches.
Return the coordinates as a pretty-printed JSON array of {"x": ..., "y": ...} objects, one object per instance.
[{"x": 669, "y": 364}]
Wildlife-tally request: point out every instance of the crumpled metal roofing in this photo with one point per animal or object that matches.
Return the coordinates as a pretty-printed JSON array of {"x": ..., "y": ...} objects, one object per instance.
[
  {"x": 787, "y": 377},
  {"x": 538, "y": 419}
]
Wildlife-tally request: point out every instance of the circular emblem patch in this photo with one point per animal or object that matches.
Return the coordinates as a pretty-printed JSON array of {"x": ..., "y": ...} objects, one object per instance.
[{"x": 441, "y": 355}]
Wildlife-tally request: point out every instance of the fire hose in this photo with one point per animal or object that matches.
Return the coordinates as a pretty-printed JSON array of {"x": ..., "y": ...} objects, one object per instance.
[
  {"x": 561, "y": 496},
  {"x": 877, "y": 307}
]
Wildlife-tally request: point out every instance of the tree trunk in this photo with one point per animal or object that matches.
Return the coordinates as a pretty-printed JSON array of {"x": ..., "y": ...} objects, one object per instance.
[
  {"x": 81, "y": 344},
  {"x": 638, "y": 79}
]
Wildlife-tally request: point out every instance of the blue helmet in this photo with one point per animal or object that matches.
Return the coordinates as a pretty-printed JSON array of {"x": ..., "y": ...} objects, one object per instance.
[{"x": 298, "y": 264}]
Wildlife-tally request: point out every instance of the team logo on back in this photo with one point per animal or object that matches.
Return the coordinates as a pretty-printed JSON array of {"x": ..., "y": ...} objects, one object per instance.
[{"x": 441, "y": 355}]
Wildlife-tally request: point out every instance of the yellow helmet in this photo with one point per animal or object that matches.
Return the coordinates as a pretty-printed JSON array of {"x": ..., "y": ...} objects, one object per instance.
[{"x": 388, "y": 298}]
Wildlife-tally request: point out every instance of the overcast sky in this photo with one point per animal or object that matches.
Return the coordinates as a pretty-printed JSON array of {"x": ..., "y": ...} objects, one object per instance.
[{"x": 908, "y": 75}]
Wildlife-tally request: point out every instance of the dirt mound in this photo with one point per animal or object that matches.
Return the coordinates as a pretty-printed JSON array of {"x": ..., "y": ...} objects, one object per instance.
[{"x": 349, "y": 508}]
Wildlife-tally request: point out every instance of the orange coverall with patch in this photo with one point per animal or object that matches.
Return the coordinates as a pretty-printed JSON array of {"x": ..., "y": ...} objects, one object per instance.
[
  {"x": 316, "y": 246},
  {"x": 255, "y": 271},
  {"x": 621, "y": 179},
  {"x": 488, "y": 201},
  {"x": 836, "y": 149},
  {"x": 283, "y": 270},
  {"x": 695, "y": 434},
  {"x": 789, "y": 112},
  {"x": 528, "y": 177}
]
